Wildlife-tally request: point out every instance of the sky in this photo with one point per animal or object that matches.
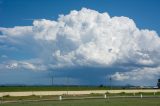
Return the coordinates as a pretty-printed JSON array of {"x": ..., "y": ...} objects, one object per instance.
[{"x": 79, "y": 42}]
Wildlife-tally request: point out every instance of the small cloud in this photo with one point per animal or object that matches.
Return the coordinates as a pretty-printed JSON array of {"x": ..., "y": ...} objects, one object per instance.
[
  {"x": 4, "y": 56},
  {"x": 12, "y": 66}
]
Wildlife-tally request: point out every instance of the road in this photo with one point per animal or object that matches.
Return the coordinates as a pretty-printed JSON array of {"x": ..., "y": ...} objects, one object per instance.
[{"x": 29, "y": 93}]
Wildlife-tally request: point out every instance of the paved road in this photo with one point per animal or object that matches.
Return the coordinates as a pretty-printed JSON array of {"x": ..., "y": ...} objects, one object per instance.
[{"x": 28, "y": 93}]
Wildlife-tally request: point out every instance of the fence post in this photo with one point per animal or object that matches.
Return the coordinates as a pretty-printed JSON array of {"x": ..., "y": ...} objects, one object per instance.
[
  {"x": 60, "y": 97},
  {"x": 154, "y": 93},
  {"x": 141, "y": 96},
  {"x": 105, "y": 96}
]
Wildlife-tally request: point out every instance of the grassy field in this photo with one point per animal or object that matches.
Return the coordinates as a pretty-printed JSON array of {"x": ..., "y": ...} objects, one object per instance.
[
  {"x": 55, "y": 88},
  {"x": 49, "y": 88},
  {"x": 93, "y": 102}
]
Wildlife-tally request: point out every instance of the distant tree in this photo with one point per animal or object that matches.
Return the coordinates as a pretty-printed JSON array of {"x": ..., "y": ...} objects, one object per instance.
[{"x": 101, "y": 85}]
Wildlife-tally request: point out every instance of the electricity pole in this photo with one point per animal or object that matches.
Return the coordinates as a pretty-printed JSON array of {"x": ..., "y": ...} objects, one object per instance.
[
  {"x": 110, "y": 79},
  {"x": 52, "y": 80}
]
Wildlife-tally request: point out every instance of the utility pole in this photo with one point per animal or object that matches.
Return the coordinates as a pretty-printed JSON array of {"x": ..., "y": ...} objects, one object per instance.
[
  {"x": 106, "y": 81},
  {"x": 67, "y": 84},
  {"x": 110, "y": 79},
  {"x": 52, "y": 80}
]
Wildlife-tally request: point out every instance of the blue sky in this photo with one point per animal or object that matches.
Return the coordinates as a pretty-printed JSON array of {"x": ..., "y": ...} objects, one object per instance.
[
  {"x": 22, "y": 50},
  {"x": 14, "y": 12}
]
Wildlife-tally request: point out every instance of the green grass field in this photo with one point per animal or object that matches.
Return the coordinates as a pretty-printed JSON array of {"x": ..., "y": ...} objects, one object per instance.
[
  {"x": 93, "y": 102},
  {"x": 48, "y": 88},
  {"x": 55, "y": 88}
]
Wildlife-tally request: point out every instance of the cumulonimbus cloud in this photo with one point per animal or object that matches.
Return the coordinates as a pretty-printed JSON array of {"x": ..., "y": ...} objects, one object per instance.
[{"x": 84, "y": 38}]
